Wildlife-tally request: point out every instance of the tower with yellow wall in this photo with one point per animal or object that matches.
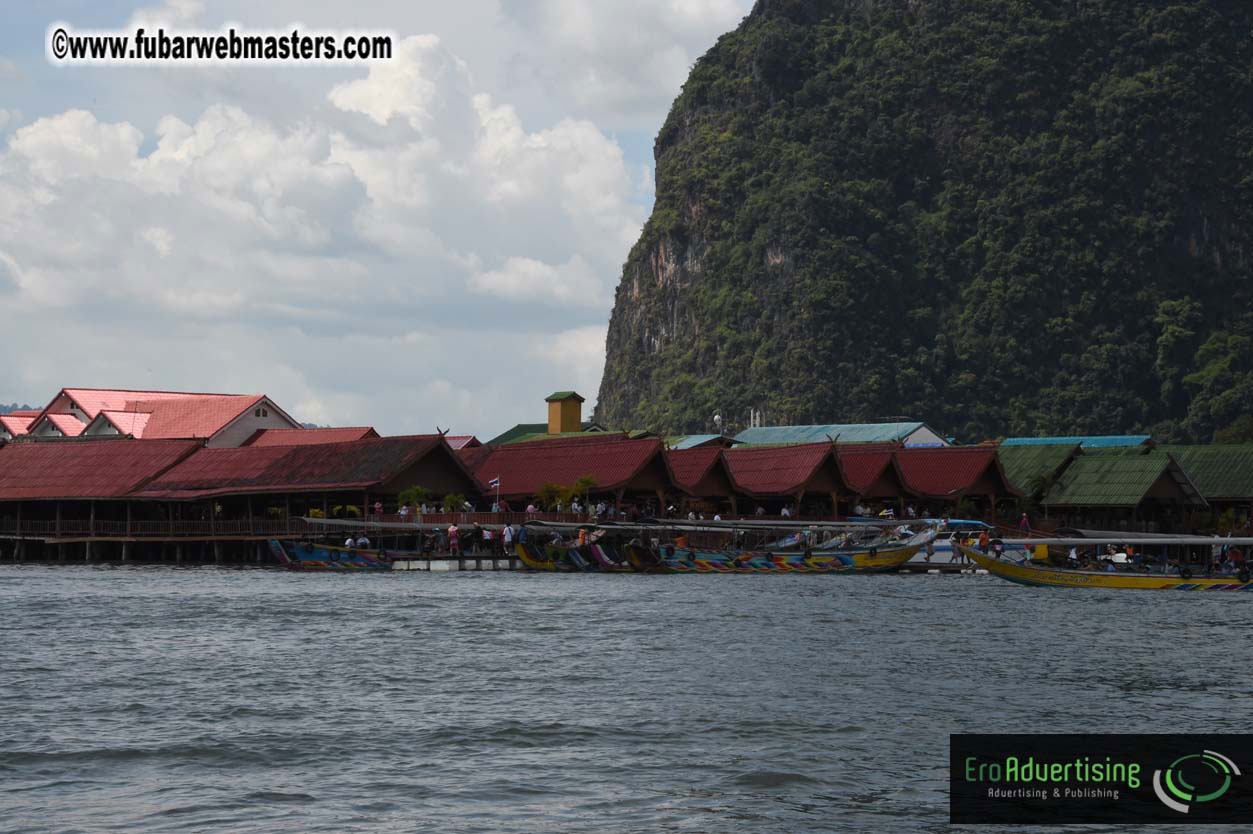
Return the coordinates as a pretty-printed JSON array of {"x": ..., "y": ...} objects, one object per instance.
[{"x": 565, "y": 412}]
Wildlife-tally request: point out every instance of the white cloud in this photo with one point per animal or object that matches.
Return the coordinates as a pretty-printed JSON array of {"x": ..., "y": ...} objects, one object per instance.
[
  {"x": 572, "y": 282},
  {"x": 170, "y": 14},
  {"x": 407, "y": 254},
  {"x": 162, "y": 241}
]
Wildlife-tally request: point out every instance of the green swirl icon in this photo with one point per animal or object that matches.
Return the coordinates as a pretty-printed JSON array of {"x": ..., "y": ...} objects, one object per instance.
[{"x": 1196, "y": 778}]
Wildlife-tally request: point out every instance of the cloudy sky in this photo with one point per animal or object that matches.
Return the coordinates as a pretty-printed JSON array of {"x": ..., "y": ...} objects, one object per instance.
[{"x": 430, "y": 241}]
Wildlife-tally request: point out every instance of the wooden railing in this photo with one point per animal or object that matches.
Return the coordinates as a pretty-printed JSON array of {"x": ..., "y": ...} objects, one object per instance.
[{"x": 84, "y": 528}]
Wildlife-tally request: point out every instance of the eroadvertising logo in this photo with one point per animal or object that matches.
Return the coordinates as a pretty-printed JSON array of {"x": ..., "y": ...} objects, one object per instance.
[{"x": 1063, "y": 779}]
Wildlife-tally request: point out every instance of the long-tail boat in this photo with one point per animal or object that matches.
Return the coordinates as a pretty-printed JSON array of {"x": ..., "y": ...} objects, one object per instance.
[
  {"x": 1026, "y": 573},
  {"x": 670, "y": 559},
  {"x": 311, "y": 556}
]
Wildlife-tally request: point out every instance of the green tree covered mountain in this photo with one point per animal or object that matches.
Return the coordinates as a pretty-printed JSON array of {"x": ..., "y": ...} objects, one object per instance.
[{"x": 998, "y": 216}]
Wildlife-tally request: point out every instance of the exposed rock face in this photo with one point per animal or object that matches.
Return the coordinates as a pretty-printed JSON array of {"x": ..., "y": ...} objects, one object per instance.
[{"x": 996, "y": 217}]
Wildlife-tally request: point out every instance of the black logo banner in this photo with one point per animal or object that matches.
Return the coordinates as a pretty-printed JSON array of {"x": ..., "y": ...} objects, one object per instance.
[{"x": 1063, "y": 779}]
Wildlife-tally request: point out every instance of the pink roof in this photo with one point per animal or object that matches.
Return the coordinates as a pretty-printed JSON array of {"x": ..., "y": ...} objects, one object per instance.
[
  {"x": 357, "y": 465},
  {"x": 67, "y": 423},
  {"x": 524, "y": 467},
  {"x": 776, "y": 470},
  {"x": 85, "y": 469},
  {"x": 15, "y": 424},
  {"x": 305, "y": 437},
  {"x": 24, "y": 412},
  {"x": 127, "y": 422},
  {"x": 94, "y": 400},
  {"x": 462, "y": 441},
  {"x": 193, "y": 417},
  {"x": 951, "y": 470}
]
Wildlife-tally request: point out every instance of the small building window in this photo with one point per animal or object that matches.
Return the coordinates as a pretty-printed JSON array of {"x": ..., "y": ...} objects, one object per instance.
[
  {"x": 256, "y": 413},
  {"x": 265, "y": 412}
]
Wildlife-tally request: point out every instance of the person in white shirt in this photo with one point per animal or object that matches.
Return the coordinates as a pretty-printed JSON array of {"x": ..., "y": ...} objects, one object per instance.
[
  {"x": 349, "y": 542},
  {"x": 717, "y": 516},
  {"x": 363, "y": 543},
  {"x": 404, "y": 512},
  {"x": 691, "y": 515},
  {"x": 785, "y": 512},
  {"x": 506, "y": 536}
]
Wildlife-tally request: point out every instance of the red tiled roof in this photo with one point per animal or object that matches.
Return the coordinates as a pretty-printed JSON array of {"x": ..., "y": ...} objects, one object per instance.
[
  {"x": 462, "y": 441},
  {"x": 776, "y": 470},
  {"x": 472, "y": 456},
  {"x": 16, "y": 424},
  {"x": 691, "y": 465},
  {"x": 360, "y": 464},
  {"x": 524, "y": 467},
  {"x": 950, "y": 470},
  {"x": 85, "y": 469},
  {"x": 127, "y": 422},
  {"x": 863, "y": 464},
  {"x": 67, "y": 423},
  {"x": 305, "y": 437},
  {"x": 24, "y": 412}
]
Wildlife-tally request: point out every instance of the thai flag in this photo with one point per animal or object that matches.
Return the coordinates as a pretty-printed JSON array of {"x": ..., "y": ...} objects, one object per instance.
[{"x": 494, "y": 483}]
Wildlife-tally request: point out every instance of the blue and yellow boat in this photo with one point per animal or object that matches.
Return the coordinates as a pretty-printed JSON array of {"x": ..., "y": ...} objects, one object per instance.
[{"x": 311, "y": 556}]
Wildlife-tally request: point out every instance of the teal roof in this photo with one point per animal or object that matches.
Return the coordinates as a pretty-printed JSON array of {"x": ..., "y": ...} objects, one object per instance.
[
  {"x": 1090, "y": 441},
  {"x": 691, "y": 441},
  {"x": 840, "y": 432}
]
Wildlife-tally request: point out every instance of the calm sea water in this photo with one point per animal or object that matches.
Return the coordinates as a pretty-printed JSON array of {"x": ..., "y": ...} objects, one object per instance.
[{"x": 162, "y": 700}]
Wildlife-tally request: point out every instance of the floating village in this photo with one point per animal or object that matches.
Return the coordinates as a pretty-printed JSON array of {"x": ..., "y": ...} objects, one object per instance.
[{"x": 134, "y": 477}]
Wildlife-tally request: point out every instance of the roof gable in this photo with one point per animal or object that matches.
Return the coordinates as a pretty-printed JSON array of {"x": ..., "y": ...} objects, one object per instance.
[
  {"x": 1120, "y": 477},
  {"x": 1031, "y": 465},
  {"x": 784, "y": 470},
  {"x": 1219, "y": 472},
  {"x": 954, "y": 471},
  {"x": 871, "y": 470},
  {"x": 524, "y": 467}
]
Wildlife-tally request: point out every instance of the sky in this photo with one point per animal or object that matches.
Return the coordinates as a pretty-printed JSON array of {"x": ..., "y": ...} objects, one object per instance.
[{"x": 429, "y": 242}]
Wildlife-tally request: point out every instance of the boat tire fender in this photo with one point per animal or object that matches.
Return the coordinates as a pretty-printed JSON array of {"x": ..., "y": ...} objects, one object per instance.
[
  {"x": 1243, "y": 576},
  {"x": 1185, "y": 573}
]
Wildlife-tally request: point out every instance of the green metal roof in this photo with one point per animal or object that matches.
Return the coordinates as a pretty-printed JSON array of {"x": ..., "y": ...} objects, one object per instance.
[
  {"x": 1025, "y": 466},
  {"x": 1220, "y": 472},
  {"x": 842, "y": 432},
  {"x": 529, "y": 431},
  {"x": 1117, "y": 477},
  {"x": 558, "y": 396}
]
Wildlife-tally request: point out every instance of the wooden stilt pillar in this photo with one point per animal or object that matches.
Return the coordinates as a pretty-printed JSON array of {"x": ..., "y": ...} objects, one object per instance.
[
  {"x": 178, "y": 553},
  {"x": 259, "y": 552},
  {"x": 126, "y": 551},
  {"x": 217, "y": 553},
  {"x": 86, "y": 551},
  {"x": 91, "y": 531}
]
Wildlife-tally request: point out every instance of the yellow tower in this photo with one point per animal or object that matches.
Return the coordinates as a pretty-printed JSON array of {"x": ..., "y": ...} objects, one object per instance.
[{"x": 565, "y": 412}]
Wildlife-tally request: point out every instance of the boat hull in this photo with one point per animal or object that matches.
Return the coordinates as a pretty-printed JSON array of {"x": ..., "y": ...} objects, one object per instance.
[
  {"x": 1062, "y": 578},
  {"x": 308, "y": 556}
]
